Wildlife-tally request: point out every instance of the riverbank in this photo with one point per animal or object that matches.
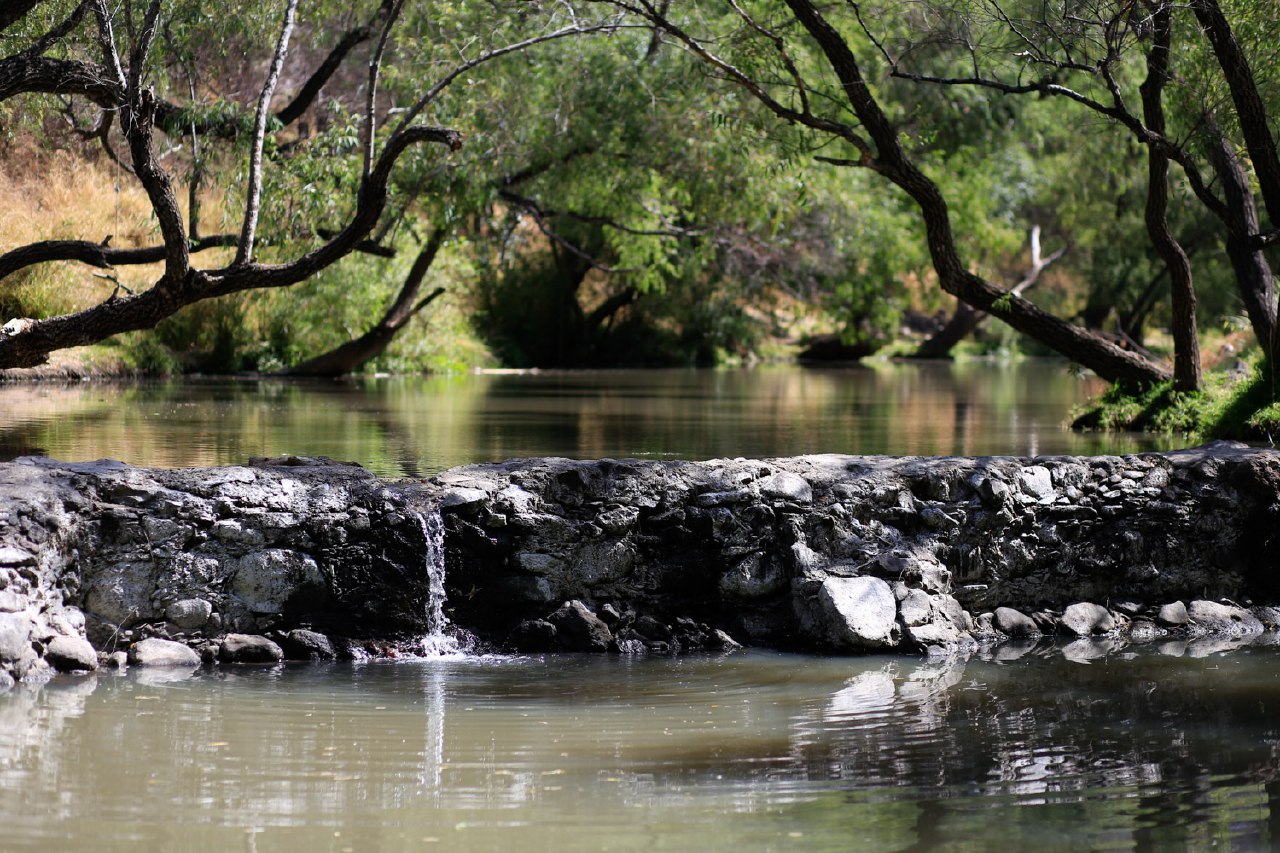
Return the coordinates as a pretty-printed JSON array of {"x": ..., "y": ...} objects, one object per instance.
[{"x": 287, "y": 558}]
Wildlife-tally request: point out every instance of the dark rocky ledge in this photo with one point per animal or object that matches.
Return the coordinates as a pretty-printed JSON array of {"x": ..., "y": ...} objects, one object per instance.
[{"x": 295, "y": 558}]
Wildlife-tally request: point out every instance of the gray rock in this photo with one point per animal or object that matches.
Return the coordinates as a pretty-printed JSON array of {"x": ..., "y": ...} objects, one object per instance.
[
  {"x": 580, "y": 630},
  {"x": 301, "y": 644},
  {"x": 266, "y": 580},
  {"x": 1085, "y": 619},
  {"x": 71, "y": 654},
  {"x": 1036, "y": 482},
  {"x": 1173, "y": 615},
  {"x": 249, "y": 648},
  {"x": 1224, "y": 619},
  {"x": 11, "y": 602},
  {"x": 157, "y": 652},
  {"x": 787, "y": 486},
  {"x": 1014, "y": 623},
  {"x": 721, "y": 641},
  {"x": 1268, "y": 616},
  {"x": 534, "y": 635},
  {"x": 461, "y": 498},
  {"x": 753, "y": 577},
  {"x": 11, "y": 555},
  {"x": 189, "y": 613},
  {"x": 858, "y": 613},
  {"x": 15, "y": 637},
  {"x": 651, "y": 630}
]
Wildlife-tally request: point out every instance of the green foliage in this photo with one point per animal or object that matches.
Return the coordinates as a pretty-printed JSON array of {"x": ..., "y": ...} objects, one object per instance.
[{"x": 1228, "y": 406}]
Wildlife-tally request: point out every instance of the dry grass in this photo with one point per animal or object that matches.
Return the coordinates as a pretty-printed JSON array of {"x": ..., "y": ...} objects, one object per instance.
[{"x": 61, "y": 195}]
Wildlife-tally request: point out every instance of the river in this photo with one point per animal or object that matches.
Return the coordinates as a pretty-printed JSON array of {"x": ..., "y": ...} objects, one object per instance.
[{"x": 1087, "y": 745}]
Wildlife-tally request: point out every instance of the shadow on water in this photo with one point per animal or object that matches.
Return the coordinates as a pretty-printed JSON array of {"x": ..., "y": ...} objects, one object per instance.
[{"x": 1130, "y": 748}]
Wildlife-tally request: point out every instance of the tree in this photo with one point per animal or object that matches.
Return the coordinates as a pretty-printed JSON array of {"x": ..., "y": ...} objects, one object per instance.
[
  {"x": 119, "y": 62},
  {"x": 786, "y": 87},
  {"x": 1085, "y": 58}
]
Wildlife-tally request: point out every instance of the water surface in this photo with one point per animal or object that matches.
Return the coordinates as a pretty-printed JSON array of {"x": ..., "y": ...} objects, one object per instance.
[
  {"x": 421, "y": 425},
  {"x": 751, "y": 751}
]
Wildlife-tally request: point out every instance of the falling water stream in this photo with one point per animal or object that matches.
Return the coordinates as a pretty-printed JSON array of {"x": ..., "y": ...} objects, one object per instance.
[{"x": 442, "y": 639}]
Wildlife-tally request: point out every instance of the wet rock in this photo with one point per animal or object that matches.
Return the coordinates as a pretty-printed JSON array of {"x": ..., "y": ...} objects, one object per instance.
[
  {"x": 534, "y": 635},
  {"x": 11, "y": 555},
  {"x": 1223, "y": 619},
  {"x": 301, "y": 644},
  {"x": 1268, "y": 616},
  {"x": 71, "y": 654},
  {"x": 156, "y": 652},
  {"x": 580, "y": 630},
  {"x": 189, "y": 613},
  {"x": 1085, "y": 619},
  {"x": 1173, "y": 615},
  {"x": 249, "y": 648},
  {"x": 1144, "y": 631},
  {"x": 115, "y": 660},
  {"x": 651, "y": 630},
  {"x": 1014, "y": 623},
  {"x": 718, "y": 640},
  {"x": 858, "y": 613}
]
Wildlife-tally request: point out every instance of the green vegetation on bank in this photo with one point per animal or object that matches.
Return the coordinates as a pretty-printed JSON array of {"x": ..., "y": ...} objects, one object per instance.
[
  {"x": 450, "y": 185},
  {"x": 1242, "y": 403}
]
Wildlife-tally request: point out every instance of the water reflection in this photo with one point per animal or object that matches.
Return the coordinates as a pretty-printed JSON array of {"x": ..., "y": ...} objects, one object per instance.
[
  {"x": 1131, "y": 750},
  {"x": 420, "y": 425}
]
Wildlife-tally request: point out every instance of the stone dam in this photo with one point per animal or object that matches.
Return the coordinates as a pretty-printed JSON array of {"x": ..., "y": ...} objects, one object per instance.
[{"x": 102, "y": 563}]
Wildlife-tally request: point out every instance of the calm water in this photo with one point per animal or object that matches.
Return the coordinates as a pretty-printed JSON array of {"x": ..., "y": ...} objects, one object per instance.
[
  {"x": 1080, "y": 747},
  {"x": 1144, "y": 751},
  {"x": 420, "y": 425}
]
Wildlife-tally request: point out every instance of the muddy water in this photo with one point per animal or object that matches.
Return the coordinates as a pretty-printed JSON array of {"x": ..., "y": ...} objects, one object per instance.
[{"x": 1170, "y": 746}]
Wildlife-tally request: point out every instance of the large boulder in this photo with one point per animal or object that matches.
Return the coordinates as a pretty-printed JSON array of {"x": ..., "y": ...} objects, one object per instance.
[
  {"x": 154, "y": 651},
  {"x": 858, "y": 613}
]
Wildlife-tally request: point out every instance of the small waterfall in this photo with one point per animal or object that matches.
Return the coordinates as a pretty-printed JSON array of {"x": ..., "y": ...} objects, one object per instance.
[{"x": 442, "y": 639}]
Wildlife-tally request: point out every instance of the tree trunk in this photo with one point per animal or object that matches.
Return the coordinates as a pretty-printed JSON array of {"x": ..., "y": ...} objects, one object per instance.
[
  {"x": 1103, "y": 357},
  {"x": 962, "y": 323},
  {"x": 966, "y": 319},
  {"x": 1186, "y": 340},
  {"x": 1250, "y": 108},
  {"x": 354, "y": 354},
  {"x": 1254, "y": 277}
]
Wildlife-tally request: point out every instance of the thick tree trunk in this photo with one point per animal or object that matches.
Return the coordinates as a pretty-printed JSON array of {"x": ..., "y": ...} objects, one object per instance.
[
  {"x": 1254, "y": 278},
  {"x": 354, "y": 354},
  {"x": 966, "y": 319},
  {"x": 1103, "y": 357},
  {"x": 1186, "y": 339},
  {"x": 13, "y": 11},
  {"x": 1250, "y": 108}
]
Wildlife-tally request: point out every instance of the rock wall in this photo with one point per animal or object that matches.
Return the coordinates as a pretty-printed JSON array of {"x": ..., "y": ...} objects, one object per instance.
[
  {"x": 303, "y": 558},
  {"x": 842, "y": 553},
  {"x": 100, "y": 556}
]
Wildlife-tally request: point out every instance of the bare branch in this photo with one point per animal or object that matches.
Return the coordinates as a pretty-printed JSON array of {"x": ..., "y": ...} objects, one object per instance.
[
  {"x": 244, "y": 253},
  {"x": 375, "y": 68}
]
